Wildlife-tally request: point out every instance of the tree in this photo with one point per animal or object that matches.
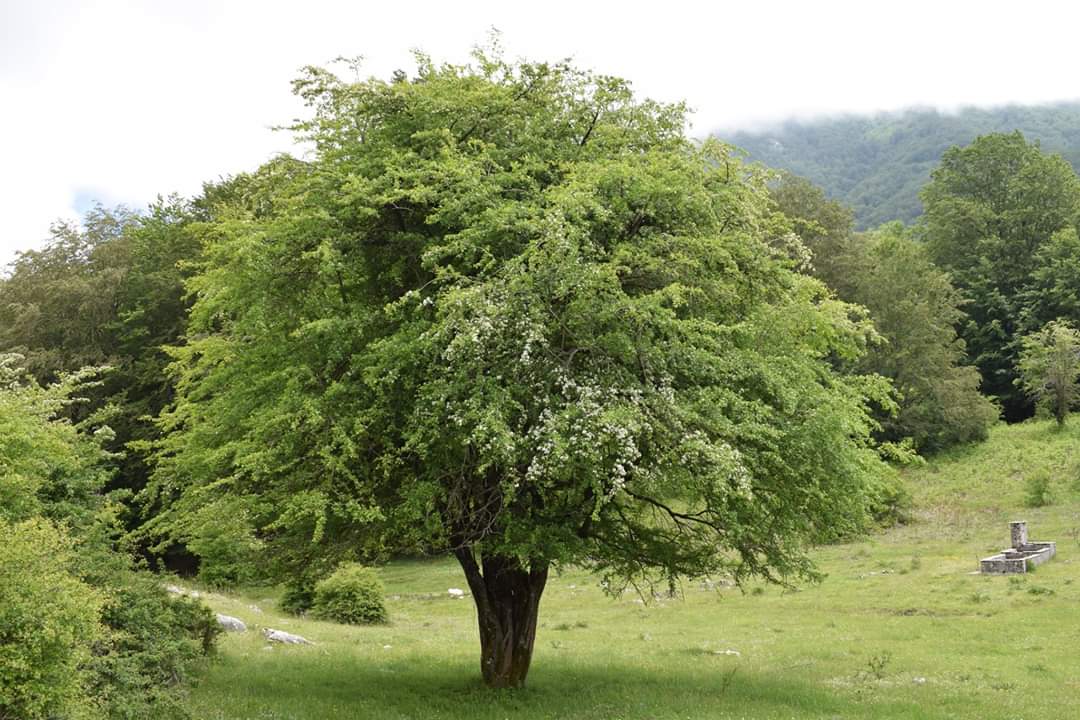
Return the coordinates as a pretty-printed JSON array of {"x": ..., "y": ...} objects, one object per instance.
[
  {"x": 916, "y": 310},
  {"x": 991, "y": 208},
  {"x": 914, "y": 307},
  {"x": 1050, "y": 366},
  {"x": 825, "y": 226},
  {"x": 86, "y": 634},
  {"x": 108, "y": 292},
  {"x": 510, "y": 312}
]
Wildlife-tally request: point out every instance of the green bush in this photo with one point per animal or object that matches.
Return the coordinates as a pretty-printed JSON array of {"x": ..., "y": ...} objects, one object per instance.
[
  {"x": 298, "y": 597},
  {"x": 152, "y": 643},
  {"x": 353, "y": 594},
  {"x": 1037, "y": 491},
  {"x": 48, "y": 625},
  {"x": 891, "y": 503}
]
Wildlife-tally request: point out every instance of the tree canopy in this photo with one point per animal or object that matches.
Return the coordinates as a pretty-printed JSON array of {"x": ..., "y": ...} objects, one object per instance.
[
  {"x": 510, "y": 311},
  {"x": 914, "y": 307},
  {"x": 992, "y": 211}
]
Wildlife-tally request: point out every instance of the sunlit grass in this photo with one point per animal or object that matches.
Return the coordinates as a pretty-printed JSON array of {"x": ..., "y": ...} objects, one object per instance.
[{"x": 900, "y": 628}]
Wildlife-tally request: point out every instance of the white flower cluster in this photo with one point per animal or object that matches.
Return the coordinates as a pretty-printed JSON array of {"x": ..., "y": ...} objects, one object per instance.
[
  {"x": 585, "y": 433},
  {"x": 726, "y": 462}
]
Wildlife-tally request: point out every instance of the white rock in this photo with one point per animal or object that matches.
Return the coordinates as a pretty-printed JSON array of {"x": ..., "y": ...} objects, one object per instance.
[
  {"x": 174, "y": 590},
  {"x": 231, "y": 624},
  {"x": 283, "y": 637},
  {"x": 736, "y": 653},
  {"x": 455, "y": 592},
  {"x": 254, "y": 608}
]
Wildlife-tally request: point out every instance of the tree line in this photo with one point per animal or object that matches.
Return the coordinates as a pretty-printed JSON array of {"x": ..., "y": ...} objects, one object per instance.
[
  {"x": 878, "y": 164},
  {"x": 510, "y": 312}
]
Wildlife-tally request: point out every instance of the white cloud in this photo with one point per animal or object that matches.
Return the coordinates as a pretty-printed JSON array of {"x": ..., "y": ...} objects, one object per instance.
[{"x": 132, "y": 99}]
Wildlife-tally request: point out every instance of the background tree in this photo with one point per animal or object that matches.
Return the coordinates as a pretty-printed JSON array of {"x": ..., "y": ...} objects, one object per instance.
[
  {"x": 108, "y": 292},
  {"x": 914, "y": 308},
  {"x": 1050, "y": 366},
  {"x": 991, "y": 208},
  {"x": 510, "y": 312},
  {"x": 825, "y": 226}
]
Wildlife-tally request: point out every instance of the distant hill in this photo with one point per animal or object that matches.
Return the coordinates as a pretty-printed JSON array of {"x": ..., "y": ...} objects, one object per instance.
[{"x": 877, "y": 164}]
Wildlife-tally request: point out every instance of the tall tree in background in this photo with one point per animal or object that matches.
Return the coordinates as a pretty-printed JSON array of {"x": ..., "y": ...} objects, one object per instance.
[
  {"x": 58, "y": 306},
  {"x": 108, "y": 292},
  {"x": 916, "y": 309},
  {"x": 992, "y": 209},
  {"x": 511, "y": 312},
  {"x": 825, "y": 226},
  {"x": 913, "y": 306}
]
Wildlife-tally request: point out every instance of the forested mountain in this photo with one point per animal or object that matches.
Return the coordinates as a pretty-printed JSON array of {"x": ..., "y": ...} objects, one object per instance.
[{"x": 877, "y": 164}]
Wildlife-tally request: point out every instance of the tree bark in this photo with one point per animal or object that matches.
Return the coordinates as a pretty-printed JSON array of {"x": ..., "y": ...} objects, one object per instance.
[{"x": 507, "y": 597}]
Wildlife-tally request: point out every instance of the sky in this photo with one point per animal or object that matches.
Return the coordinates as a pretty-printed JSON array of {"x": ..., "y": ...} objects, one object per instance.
[{"x": 117, "y": 101}]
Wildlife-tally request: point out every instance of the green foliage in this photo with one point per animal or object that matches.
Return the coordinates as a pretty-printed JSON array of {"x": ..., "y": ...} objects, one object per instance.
[
  {"x": 222, "y": 538},
  {"x": 878, "y": 164},
  {"x": 891, "y": 503},
  {"x": 48, "y": 624},
  {"x": 45, "y": 467},
  {"x": 152, "y": 645},
  {"x": 992, "y": 209},
  {"x": 143, "y": 642},
  {"x": 914, "y": 308},
  {"x": 511, "y": 311},
  {"x": 1050, "y": 367},
  {"x": 353, "y": 594},
  {"x": 514, "y": 298},
  {"x": 298, "y": 597},
  {"x": 1038, "y": 491},
  {"x": 825, "y": 226},
  {"x": 106, "y": 293}
]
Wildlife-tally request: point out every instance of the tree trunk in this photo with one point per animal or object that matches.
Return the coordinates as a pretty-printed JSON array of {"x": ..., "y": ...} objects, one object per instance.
[{"x": 507, "y": 597}]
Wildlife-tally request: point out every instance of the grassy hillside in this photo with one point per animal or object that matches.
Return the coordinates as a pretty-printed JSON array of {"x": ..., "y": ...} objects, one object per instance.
[
  {"x": 899, "y": 629},
  {"x": 877, "y": 164}
]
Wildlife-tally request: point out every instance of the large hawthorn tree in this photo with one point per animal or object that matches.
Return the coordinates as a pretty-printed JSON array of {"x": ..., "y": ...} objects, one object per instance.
[{"x": 510, "y": 312}]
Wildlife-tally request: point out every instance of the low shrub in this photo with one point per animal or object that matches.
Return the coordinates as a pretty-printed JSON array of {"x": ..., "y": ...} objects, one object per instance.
[
  {"x": 48, "y": 625},
  {"x": 353, "y": 594},
  {"x": 1037, "y": 491},
  {"x": 298, "y": 597},
  {"x": 153, "y": 641},
  {"x": 891, "y": 504}
]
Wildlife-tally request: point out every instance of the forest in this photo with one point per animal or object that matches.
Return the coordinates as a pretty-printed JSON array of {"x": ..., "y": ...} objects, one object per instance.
[
  {"x": 878, "y": 164},
  {"x": 508, "y": 317}
]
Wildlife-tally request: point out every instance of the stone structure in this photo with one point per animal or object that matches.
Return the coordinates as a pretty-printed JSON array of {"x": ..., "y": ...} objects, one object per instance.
[{"x": 1022, "y": 555}]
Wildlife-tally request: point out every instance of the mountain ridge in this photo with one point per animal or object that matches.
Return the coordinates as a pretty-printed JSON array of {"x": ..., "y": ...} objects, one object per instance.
[{"x": 878, "y": 163}]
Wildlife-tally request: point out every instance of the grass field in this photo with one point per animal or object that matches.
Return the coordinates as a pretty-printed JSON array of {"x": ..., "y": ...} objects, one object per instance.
[{"x": 900, "y": 628}]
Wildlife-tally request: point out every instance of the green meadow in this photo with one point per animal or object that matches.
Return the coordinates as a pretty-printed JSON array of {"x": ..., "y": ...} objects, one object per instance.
[{"x": 901, "y": 627}]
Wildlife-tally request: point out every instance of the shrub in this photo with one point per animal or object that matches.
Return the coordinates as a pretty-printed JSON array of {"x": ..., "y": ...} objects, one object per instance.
[
  {"x": 48, "y": 624},
  {"x": 153, "y": 641},
  {"x": 352, "y": 594},
  {"x": 298, "y": 597},
  {"x": 891, "y": 503},
  {"x": 1037, "y": 491}
]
